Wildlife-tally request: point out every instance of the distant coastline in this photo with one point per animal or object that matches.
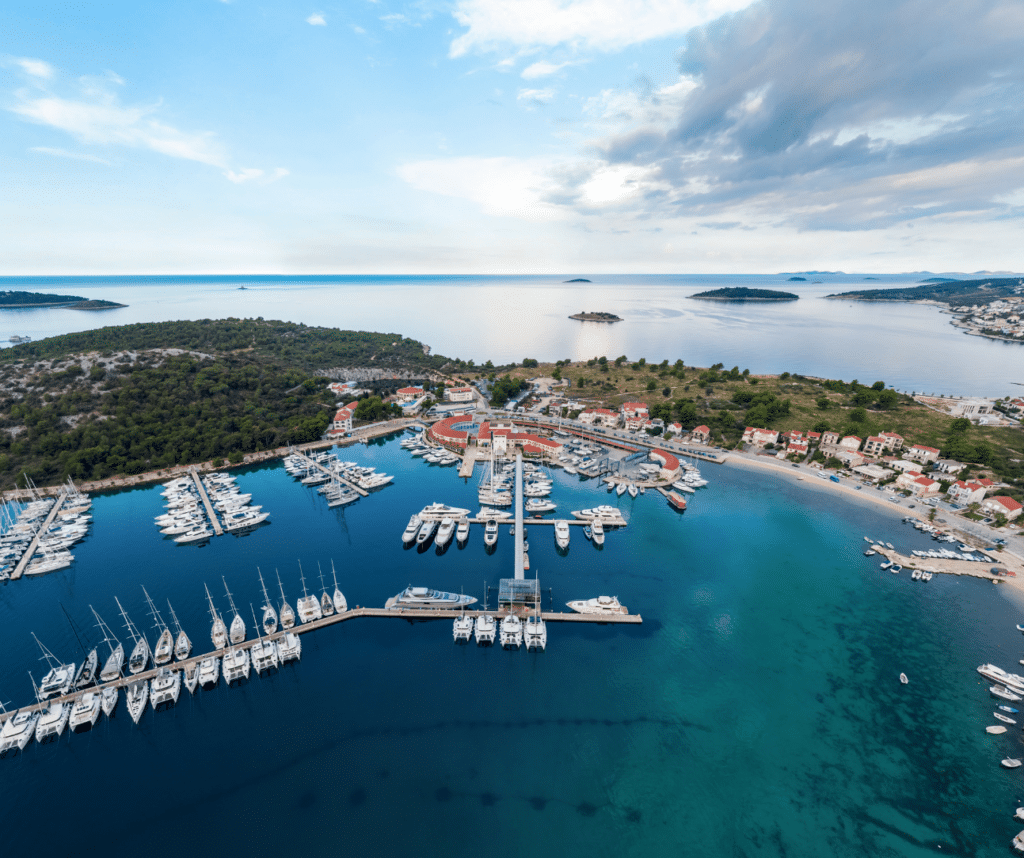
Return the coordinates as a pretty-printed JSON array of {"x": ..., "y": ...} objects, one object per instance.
[
  {"x": 595, "y": 317},
  {"x": 742, "y": 293},
  {"x": 17, "y": 300}
]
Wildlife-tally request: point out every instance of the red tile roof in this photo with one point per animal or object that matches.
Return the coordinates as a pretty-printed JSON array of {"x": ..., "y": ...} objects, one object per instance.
[
  {"x": 923, "y": 447},
  {"x": 668, "y": 461},
  {"x": 1008, "y": 503},
  {"x": 703, "y": 429}
]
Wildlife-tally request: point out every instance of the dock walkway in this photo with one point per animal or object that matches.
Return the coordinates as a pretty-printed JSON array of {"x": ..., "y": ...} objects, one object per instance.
[
  {"x": 217, "y": 529},
  {"x": 334, "y": 476},
  {"x": 468, "y": 461},
  {"x": 26, "y": 558}
]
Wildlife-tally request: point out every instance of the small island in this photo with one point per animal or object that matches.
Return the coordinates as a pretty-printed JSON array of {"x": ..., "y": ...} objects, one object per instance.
[
  {"x": 577, "y": 280},
  {"x": 801, "y": 279},
  {"x": 583, "y": 316},
  {"x": 742, "y": 293},
  {"x": 10, "y": 300}
]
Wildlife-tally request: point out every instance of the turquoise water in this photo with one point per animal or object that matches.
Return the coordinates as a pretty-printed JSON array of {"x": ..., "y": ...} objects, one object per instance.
[
  {"x": 757, "y": 711},
  {"x": 506, "y": 319}
]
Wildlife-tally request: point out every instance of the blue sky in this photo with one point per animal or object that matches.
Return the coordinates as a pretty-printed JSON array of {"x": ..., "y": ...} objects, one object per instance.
[{"x": 511, "y": 137}]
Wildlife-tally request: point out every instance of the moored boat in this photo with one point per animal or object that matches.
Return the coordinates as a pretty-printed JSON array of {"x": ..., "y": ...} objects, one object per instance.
[
  {"x": 600, "y": 605},
  {"x": 424, "y": 597}
]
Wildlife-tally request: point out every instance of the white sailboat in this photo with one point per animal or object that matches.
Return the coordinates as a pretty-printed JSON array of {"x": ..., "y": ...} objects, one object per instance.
[
  {"x": 340, "y": 604},
  {"x": 237, "y": 631},
  {"x": 164, "y": 649},
  {"x": 218, "y": 632},
  {"x": 192, "y": 676},
  {"x": 136, "y": 698},
  {"x": 108, "y": 700},
  {"x": 269, "y": 614},
  {"x": 139, "y": 659},
  {"x": 326, "y": 603},
  {"x": 182, "y": 645},
  {"x": 287, "y": 613}
]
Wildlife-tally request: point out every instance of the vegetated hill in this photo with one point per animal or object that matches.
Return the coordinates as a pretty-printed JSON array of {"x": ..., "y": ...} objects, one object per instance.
[
  {"x": 742, "y": 293},
  {"x": 42, "y": 299},
  {"x": 952, "y": 292},
  {"x": 122, "y": 400}
]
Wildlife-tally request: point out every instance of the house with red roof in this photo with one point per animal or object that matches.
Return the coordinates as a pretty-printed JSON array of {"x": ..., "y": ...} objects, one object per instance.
[
  {"x": 1001, "y": 505},
  {"x": 458, "y": 394},
  {"x": 408, "y": 394},
  {"x": 920, "y": 453},
  {"x": 701, "y": 435},
  {"x": 966, "y": 492},
  {"x": 760, "y": 437},
  {"x": 851, "y": 443},
  {"x": 600, "y": 417},
  {"x": 916, "y": 484},
  {"x": 342, "y": 421},
  {"x": 892, "y": 440},
  {"x": 669, "y": 464}
]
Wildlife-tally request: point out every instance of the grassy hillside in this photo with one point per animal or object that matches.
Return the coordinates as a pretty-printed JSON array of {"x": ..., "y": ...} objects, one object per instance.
[{"x": 956, "y": 293}]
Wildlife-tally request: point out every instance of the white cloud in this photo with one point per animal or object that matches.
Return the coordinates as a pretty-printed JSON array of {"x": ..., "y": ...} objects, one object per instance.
[
  {"x": 540, "y": 96},
  {"x": 96, "y": 116},
  {"x": 541, "y": 69},
  {"x": 358, "y": 30},
  {"x": 35, "y": 68},
  {"x": 600, "y": 24},
  {"x": 317, "y": 19},
  {"x": 395, "y": 18},
  {"x": 64, "y": 153}
]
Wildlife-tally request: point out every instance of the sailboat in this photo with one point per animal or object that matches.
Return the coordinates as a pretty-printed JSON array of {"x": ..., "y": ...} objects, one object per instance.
[
  {"x": 86, "y": 675},
  {"x": 309, "y": 606},
  {"x": 165, "y": 642},
  {"x": 237, "y": 630},
  {"x": 269, "y": 614},
  {"x": 115, "y": 661},
  {"x": 340, "y": 605},
  {"x": 139, "y": 658},
  {"x": 182, "y": 645},
  {"x": 286, "y": 613},
  {"x": 219, "y": 632},
  {"x": 326, "y": 605},
  {"x": 264, "y": 652},
  {"x": 60, "y": 678}
]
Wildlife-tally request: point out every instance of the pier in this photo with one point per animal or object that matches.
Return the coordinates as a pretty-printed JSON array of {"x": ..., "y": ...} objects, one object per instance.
[
  {"x": 519, "y": 567},
  {"x": 214, "y": 521},
  {"x": 333, "y": 475},
  {"x": 26, "y": 558},
  {"x": 468, "y": 461},
  {"x": 944, "y": 566}
]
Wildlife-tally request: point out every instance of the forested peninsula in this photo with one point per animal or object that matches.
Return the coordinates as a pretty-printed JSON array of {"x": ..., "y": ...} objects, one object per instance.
[
  {"x": 743, "y": 293},
  {"x": 956, "y": 293},
  {"x": 128, "y": 399},
  {"x": 18, "y": 300}
]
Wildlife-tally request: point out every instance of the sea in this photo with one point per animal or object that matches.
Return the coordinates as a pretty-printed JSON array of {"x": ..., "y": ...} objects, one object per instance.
[
  {"x": 756, "y": 711},
  {"x": 503, "y": 319}
]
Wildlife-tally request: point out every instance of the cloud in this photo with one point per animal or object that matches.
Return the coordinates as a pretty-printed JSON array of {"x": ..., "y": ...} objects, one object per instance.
[
  {"x": 605, "y": 25},
  {"x": 797, "y": 114},
  {"x": 95, "y": 116},
  {"x": 542, "y": 69},
  {"x": 395, "y": 19},
  {"x": 35, "y": 68},
  {"x": 317, "y": 19},
  {"x": 64, "y": 153},
  {"x": 537, "y": 96}
]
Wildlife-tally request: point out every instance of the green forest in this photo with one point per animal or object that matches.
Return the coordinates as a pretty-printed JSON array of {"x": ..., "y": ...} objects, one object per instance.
[
  {"x": 952, "y": 292},
  {"x": 250, "y": 387}
]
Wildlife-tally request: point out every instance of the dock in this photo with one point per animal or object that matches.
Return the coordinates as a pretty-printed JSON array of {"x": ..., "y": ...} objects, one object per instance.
[
  {"x": 334, "y": 476},
  {"x": 26, "y": 558},
  {"x": 214, "y": 521},
  {"x": 518, "y": 500},
  {"x": 408, "y": 614},
  {"x": 942, "y": 566},
  {"x": 468, "y": 461}
]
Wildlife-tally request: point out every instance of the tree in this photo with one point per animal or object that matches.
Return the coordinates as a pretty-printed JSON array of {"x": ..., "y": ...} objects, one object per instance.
[
  {"x": 620, "y": 360},
  {"x": 821, "y": 426},
  {"x": 888, "y": 400},
  {"x": 823, "y": 403},
  {"x": 530, "y": 362},
  {"x": 652, "y": 384},
  {"x": 666, "y": 391},
  {"x": 878, "y": 385},
  {"x": 858, "y": 415}
]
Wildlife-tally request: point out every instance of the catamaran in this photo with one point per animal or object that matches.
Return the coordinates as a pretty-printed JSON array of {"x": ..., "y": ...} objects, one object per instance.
[
  {"x": 309, "y": 606},
  {"x": 60, "y": 678},
  {"x": 165, "y": 687},
  {"x": 85, "y": 712},
  {"x": 511, "y": 632},
  {"x": 535, "y": 633},
  {"x": 264, "y": 652},
  {"x": 209, "y": 671},
  {"x": 287, "y": 614},
  {"x": 237, "y": 630}
]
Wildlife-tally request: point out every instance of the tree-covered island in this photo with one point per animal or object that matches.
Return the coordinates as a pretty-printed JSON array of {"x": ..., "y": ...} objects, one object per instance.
[
  {"x": 584, "y": 316},
  {"x": 743, "y": 293},
  {"x": 12, "y": 299}
]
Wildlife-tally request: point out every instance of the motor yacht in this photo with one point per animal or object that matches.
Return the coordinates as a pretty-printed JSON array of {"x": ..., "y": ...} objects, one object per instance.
[
  {"x": 441, "y": 510},
  {"x": 444, "y": 532},
  {"x": 535, "y": 632},
  {"x": 136, "y": 697},
  {"x": 600, "y": 605},
  {"x": 609, "y": 515},
  {"x": 491, "y": 532},
  {"x": 209, "y": 671},
  {"x": 562, "y": 534},
  {"x": 426, "y": 532},
  {"x": 411, "y": 529},
  {"x": 424, "y": 597},
  {"x": 165, "y": 687},
  {"x": 597, "y": 531},
  {"x": 538, "y": 505},
  {"x": 511, "y": 632}
]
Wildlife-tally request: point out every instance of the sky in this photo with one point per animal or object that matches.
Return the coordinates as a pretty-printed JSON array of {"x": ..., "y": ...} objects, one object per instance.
[{"x": 511, "y": 136}]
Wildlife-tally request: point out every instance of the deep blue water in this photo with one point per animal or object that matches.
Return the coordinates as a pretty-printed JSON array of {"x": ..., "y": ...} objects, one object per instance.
[
  {"x": 757, "y": 711},
  {"x": 506, "y": 319}
]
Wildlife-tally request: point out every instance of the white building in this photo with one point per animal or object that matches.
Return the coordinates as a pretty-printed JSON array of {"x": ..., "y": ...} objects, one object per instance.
[{"x": 458, "y": 394}]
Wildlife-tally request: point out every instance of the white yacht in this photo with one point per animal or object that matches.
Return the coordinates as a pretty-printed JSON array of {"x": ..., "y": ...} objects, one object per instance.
[
  {"x": 444, "y": 532},
  {"x": 498, "y": 514},
  {"x": 462, "y": 531},
  {"x": 424, "y": 597},
  {"x": 535, "y": 632},
  {"x": 136, "y": 697},
  {"x": 209, "y": 671},
  {"x": 264, "y": 655},
  {"x": 463, "y": 628},
  {"x": 192, "y": 676},
  {"x": 597, "y": 531},
  {"x": 182, "y": 645},
  {"x": 18, "y": 732},
  {"x": 600, "y": 605},
  {"x": 164, "y": 648},
  {"x": 195, "y": 535},
  {"x": 562, "y": 534},
  {"x": 411, "y": 529},
  {"x": 286, "y": 613},
  {"x": 236, "y": 665},
  {"x": 59, "y": 680},
  {"x": 165, "y": 687},
  {"x": 85, "y": 712},
  {"x": 289, "y": 647},
  {"x": 52, "y": 720},
  {"x": 309, "y": 606},
  {"x": 269, "y": 614},
  {"x": 620, "y": 489},
  {"x": 511, "y": 632},
  {"x": 538, "y": 505},
  {"x": 491, "y": 532},
  {"x": 485, "y": 630},
  {"x": 108, "y": 699},
  {"x": 607, "y": 514},
  {"x": 442, "y": 510},
  {"x": 218, "y": 631},
  {"x": 426, "y": 531},
  {"x": 236, "y": 632},
  {"x": 340, "y": 603}
]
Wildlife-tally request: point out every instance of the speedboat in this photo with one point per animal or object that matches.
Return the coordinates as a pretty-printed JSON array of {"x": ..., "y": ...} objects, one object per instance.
[
  {"x": 587, "y": 532},
  {"x": 1009, "y": 709},
  {"x": 600, "y": 605},
  {"x": 411, "y": 529},
  {"x": 511, "y": 632},
  {"x": 444, "y": 532},
  {"x": 424, "y": 597},
  {"x": 535, "y": 633},
  {"x": 1006, "y": 719},
  {"x": 491, "y": 532},
  {"x": 562, "y": 534},
  {"x": 1010, "y": 763}
]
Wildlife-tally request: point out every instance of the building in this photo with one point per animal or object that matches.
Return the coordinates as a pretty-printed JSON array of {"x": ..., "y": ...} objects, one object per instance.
[
  {"x": 948, "y": 466},
  {"x": 669, "y": 464},
  {"x": 599, "y": 417},
  {"x": 875, "y": 445},
  {"x": 701, "y": 435},
  {"x": 510, "y": 436},
  {"x": 905, "y": 465},
  {"x": 760, "y": 437},
  {"x": 409, "y": 394},
  {"x": 813, "y": 437},
  {"x": 851, "y": 443},
  {"x": 916, "y": 484},
  {"x": 966, "y": 492},
  {"x": 850, "y": 458},
  {"x": 1001, "y": 505},
  {"x": 874, "y": 473},
  {"x": 798, "y": 447},
  {"x": 635, "y": 422},
  {"x": 893, "y": 441},
  {"x": 458, "y": 394},
  {"x": 675, "y": 428},
  {"x": 920, "y": 453},
  {"x": 634, "y": 409},
  {"x": 342, "y": 421},
  {"x": 829, "y": 439}
]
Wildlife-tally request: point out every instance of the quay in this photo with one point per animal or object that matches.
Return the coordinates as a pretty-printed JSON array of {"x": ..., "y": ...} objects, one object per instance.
[
  {"x": 468, "y": 461},
  {"x": 217, "y": 529},
  {"x": 940, "y": 565},
  {"x": 409, "y": 614},
  {"x": 313, "y": 463},
  {"x": 30, "y": 552}
]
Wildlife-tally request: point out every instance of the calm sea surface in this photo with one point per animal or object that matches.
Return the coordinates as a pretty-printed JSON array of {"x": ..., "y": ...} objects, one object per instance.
[
  {"x": 756, "y": 712},
  {"x": 504, "y": 319}
]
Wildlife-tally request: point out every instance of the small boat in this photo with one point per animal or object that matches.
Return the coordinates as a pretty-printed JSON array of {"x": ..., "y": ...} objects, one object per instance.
[
  {"x": 1010, "y": 763},
  {"x": 1006, "y": 719},
  {"x": 870, "y": 552},
  {"x": 889, "y": 546},
  {"x": 676, "y": 501},
  {"x": 885, "y": 565},
  {"x": 108, "y": 700},
  {"x": 1008, "y": 709},
  {"x": 1018, "y": 841},
  {"x": 587, "y": 532},
  {"x": 139, "y": 658},
  {"x": 426, "y": 532},
  {"x": 996, "y": 730},
  {"x": 903, "y": 678},
  {"x": 1019, "y": 813},
  {"x": 895, "y": 568},
  {"x": 165, "y": 641}
]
